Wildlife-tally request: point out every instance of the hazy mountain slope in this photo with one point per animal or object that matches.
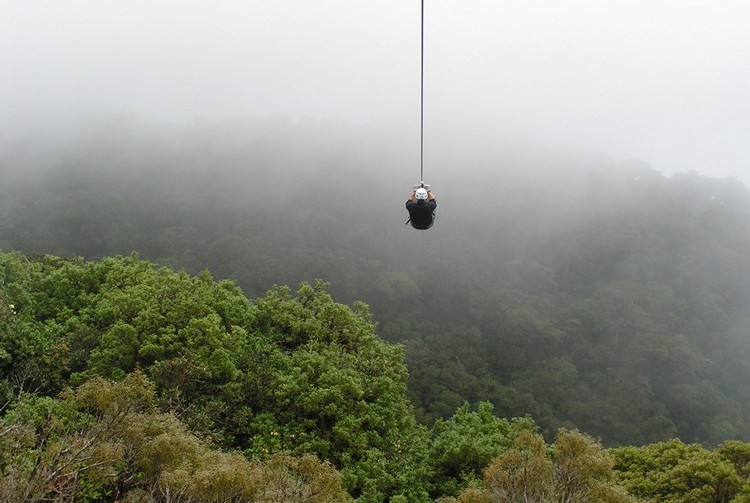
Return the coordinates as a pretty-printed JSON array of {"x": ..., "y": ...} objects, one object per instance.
[{"x": 556, "y": 283}]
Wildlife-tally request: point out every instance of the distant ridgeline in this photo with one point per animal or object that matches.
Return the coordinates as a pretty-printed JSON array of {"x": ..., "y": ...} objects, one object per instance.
[
  {"x": 583, "y": 292},
  {"x": 125, "y": 381}
]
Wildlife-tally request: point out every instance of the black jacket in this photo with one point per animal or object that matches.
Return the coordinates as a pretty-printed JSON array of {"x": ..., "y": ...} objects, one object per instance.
[{"x": 421, "y": 213}]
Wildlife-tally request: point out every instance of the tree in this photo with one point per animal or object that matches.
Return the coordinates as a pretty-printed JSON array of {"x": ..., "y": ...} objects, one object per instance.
[
  {"x": 575, "y": 469},
  {"x": 672, "y": 471},
  {"x": 584, "y": 471},
  {"x": 523, "y": 473},
  {"x": 339, "y": 391},
  {"x": 106, "y": 442},
  {"x": 464, "y": 445}
]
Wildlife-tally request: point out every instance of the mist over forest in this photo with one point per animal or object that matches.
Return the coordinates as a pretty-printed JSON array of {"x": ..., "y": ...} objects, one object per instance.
[
  {"x": 209, "y": 290},
  {"x": 584, "y": 292}
]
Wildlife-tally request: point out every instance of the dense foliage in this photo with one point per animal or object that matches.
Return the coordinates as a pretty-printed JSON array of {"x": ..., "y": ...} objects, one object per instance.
[
  {"x": 673, "y": 471},
  {"x": 587, "y": 293},
  {"x": 127, "y": 381},
  {"x": 106, "y": 442},
  {"x": 297, "y": 374}
]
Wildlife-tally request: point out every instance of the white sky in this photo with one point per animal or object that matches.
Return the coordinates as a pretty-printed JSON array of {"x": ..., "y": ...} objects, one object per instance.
[{"x": 667, "y": 81}]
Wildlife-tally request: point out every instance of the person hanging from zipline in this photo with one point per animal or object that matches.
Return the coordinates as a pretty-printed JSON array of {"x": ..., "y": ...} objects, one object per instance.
[{"x": 421, "y": 206}]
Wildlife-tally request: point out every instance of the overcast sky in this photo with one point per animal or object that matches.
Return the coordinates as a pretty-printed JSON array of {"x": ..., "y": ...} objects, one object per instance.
[{"x": 666, "y": 81}]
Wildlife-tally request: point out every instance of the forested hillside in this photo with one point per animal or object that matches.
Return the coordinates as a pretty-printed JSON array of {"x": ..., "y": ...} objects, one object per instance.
[
  {"x": 583, "y": 292},
  {"x": 124, "y": 381}
]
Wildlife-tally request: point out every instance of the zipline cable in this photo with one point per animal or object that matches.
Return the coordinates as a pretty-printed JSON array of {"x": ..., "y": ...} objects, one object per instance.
[{"x": 421, "y": 105}]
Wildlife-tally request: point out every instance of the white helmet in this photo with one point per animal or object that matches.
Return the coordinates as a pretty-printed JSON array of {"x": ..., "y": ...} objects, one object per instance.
[{"x": 421, "y": 193}]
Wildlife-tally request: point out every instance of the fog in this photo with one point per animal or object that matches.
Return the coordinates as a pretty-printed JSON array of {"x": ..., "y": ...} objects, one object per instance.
[
  {"x": 663, "y": 81},
  {"x": 272, "y": 143}
]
